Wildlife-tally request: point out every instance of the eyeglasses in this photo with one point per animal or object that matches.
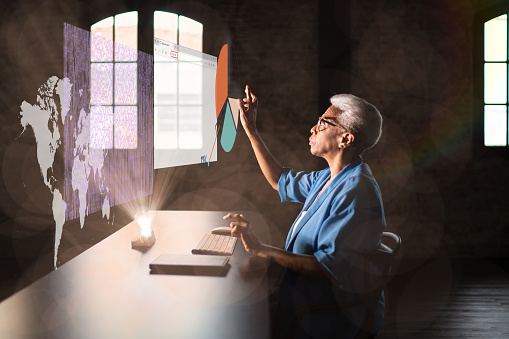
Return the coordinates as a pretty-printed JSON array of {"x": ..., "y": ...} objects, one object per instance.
[{"x": 322, "y": 124}]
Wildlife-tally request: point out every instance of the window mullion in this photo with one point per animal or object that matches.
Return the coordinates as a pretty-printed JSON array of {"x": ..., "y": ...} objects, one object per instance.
[
  {"x": 178, "y": 87},
  {"x": 113, "y": 82}
]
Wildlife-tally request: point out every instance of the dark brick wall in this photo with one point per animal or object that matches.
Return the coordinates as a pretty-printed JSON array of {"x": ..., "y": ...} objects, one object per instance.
[{"x": 412, "y": 59}]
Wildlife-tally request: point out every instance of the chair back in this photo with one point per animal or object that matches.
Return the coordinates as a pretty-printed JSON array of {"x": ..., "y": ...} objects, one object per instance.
[
  {"x": 389, "y": 247},
  {"x": 384, "y": 256},
  {"x": 375, "y": 265}
]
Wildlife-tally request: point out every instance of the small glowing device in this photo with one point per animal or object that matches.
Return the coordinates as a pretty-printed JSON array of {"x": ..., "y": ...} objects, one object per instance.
[{"x": 147, "y": 237}]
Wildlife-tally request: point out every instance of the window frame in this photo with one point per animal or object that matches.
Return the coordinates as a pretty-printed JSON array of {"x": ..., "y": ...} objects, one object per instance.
[
  {"x": 150, "y": 47},
  {"x": 478, "y": 115},
  {"x": 113, "y": 64},
  {"x": 177, "y": 105}
]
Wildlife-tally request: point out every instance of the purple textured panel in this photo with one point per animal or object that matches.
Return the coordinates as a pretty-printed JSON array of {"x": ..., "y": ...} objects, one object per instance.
[
  {"x": 126, "y": 127},
  {"x": 101, "y": 49},
  {"x": 101, "y": 127},
  {"x": 95, "y": 174},
  {"x": 124, "y": 53},
  {"x": 125, "y": 83},
  {"x": 101, "y": 85}
]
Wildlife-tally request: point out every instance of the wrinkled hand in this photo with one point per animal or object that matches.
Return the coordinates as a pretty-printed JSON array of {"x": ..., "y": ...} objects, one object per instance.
[
  {"x": 241, "y": 228},
  {"x": 249, "y": 111}
]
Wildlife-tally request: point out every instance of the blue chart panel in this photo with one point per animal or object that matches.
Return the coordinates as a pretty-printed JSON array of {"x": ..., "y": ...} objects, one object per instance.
[{"x": 229, "y": 129}]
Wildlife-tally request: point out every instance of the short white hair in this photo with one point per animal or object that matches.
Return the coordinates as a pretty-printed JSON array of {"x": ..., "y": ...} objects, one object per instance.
[{"x": 361, "y": 118}]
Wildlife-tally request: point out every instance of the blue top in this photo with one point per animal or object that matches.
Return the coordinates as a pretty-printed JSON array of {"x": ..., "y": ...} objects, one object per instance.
[{"x": 343, "y": 222}]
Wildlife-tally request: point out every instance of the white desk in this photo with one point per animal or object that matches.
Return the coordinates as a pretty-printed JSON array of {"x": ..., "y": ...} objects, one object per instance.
[{"x": 108, "y": 291}]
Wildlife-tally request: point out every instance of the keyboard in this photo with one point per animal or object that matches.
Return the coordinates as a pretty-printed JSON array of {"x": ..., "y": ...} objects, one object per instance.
[{"x": 215, "y": 244}]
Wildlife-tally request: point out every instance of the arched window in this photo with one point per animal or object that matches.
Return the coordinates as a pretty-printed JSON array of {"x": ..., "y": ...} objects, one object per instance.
[
  {"x": 177, "y": 100},
  {"x": 177, "y": 104},
  {"x": 113, "y": 85},
  {"x": 495, "y": 82}
]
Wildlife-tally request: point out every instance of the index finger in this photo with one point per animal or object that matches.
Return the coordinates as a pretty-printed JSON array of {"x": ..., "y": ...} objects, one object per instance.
[
  {"x": 231, "y": 216},
  {"x": 237, "y": 217},
  {"x": 252, "y": 97},
  {"x": 248, "y": 94}
]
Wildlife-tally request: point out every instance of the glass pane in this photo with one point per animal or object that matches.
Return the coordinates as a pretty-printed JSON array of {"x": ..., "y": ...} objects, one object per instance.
[
  {"x": 495, "y": 125},
  {"x": 495, "y": 83},
  {"x": 125, "y": 83},
  {"x": 101, "y": 127},
  {"x": 190, "y": 83},
  {"x": 188, "y": 54},
  {"x": 190, "y": 126},
  {"x": 126, "y": 36},
  {"x": 495, "y": 39},
  {"x": 126, "y": 127},
  {"x": 101, "y": 48},
  {"x": 101, "y": 84},
  {"x": 165, "y": 83},
  {"x": 165, "y": 127},
  {"x": 190, "y": 33},
  {"x": 165, "y": 26}
]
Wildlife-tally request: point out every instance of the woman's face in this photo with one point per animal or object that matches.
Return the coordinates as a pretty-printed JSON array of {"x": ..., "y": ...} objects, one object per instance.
[{"x": 325, "y": 134}]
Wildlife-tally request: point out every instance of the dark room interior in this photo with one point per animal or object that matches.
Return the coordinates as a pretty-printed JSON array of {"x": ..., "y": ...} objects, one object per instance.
[{"x": 419, "y": 62}]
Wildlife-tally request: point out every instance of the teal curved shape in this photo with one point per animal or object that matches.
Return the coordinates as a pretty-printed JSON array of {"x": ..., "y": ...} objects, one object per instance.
[{"x": 229, "y": 131}]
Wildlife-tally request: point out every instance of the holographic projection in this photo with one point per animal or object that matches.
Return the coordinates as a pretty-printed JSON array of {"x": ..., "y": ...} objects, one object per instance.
[
  {"x": 113, "y": 128},
  {"x": 193, "y": 112},
  {"x": 184, "y": 116},
  {"x": 44, "y": 117},
  {"x": 106, "y": 112},
  {"x": 108, "y": 134},
  {"x": 227, "y": 109}
]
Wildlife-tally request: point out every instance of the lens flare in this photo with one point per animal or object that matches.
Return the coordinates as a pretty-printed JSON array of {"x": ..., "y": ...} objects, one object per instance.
[{"x": 144, "y": 223}]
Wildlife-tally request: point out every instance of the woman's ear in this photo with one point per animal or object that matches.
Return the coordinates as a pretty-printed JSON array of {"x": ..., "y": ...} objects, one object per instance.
[{"x": 346, "y": 140}]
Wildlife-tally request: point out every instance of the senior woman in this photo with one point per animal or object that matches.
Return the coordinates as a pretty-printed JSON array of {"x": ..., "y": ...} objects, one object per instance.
[{"x": 342, "y": 218}]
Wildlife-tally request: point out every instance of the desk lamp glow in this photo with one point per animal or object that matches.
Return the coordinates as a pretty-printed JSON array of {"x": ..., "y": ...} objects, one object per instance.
[{"x": 147, "y": 237}]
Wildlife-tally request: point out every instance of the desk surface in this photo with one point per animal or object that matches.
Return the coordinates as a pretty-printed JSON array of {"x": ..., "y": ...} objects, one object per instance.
[{"x": 108, "y": 291}]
